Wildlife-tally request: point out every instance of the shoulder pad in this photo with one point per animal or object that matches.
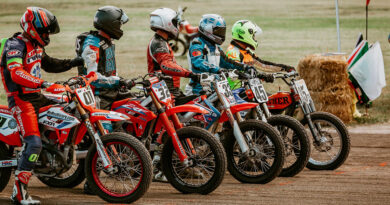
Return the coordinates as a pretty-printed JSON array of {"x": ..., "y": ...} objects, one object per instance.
[
  {"x": 92, "y": 40},
  {"x": 14, "y": 48},
  {"x": 158, "y": 46}
]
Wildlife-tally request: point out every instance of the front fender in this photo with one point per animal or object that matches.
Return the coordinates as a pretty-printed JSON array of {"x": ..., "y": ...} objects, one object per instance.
[
  {"x": 187, "y": 108},
  {"x": 107, "y": 116},
  {"x": 237, "y": 108}
]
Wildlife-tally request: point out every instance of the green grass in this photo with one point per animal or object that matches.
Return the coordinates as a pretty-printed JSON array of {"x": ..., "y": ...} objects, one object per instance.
[{"x": 292, "y": 29}]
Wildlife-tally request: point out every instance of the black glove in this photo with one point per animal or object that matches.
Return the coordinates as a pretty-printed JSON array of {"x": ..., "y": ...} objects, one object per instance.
[
  {"x": 127, "y": 83},
  {"x": 78, "y": 61},
  {"x": 289, "y": 68},
  {"x": 222, "y": 70},
  {"x": 269, "y": 78},
  {"x": 194, "y": 77},
  {"x": 46, "y": 84},
  {"x": 248, "y": 67}
]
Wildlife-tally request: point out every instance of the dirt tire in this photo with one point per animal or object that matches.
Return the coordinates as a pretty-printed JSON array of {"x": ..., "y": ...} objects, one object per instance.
[
  {"x": 277, "y": 165},
  {"x": 298, "y": 145},
  {"x": 5, "y": 173},
  {"x": 178, "y": 46},
  {"x": 143, "y": 158},
  {"x": 216, "y": 149},
  {"x": 344, "y": 137},
  {"x": 71, "y": 181}
]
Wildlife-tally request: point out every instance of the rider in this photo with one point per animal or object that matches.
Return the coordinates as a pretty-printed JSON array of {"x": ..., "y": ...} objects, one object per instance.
[
  {"x": 205, "y": 53},
  {"x": 22, "y": 58},
  {"x": 164, "y": 21},
  {"x": 243, "y": 46},
  {"x": 98, "y": 52}
]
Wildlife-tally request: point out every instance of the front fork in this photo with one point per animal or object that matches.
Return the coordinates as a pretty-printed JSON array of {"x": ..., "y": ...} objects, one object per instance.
[{"x": 315, "y": 129}]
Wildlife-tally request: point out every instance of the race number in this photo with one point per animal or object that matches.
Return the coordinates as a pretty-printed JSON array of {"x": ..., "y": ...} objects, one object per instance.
[
  {"x": 258, "y": 90},
  {"x": 86, "y": 96},
  {"x": 303, "y": 92},
  {"x": 162, "y": 92},
  {"x": 223, "y": 87}
]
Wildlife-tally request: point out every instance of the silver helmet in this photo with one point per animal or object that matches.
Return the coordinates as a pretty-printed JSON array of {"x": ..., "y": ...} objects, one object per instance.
[
  {"x": 213, "y": 27},
  {"x": 165, "y": 19}
]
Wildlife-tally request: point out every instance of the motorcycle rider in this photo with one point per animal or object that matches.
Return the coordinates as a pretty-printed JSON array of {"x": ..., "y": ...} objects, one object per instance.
[
  {"x": 243, "y": 46},
  {"x": 205, "y": 53},
  {"x": 98, "y": 52},
  {"x": 164, "y": 22},
  {"x": 22, "y": 58}
]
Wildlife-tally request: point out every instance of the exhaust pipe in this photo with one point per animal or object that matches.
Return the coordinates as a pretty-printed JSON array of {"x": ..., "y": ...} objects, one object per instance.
[{"x": 81, "y": 154}]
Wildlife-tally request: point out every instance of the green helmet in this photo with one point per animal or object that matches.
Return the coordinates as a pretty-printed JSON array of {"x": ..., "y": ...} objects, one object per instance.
[{"x": 246, "y": 32}]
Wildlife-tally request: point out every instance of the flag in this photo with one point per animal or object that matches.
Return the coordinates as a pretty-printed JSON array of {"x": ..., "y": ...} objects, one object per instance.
[
  {"x": 368, "y": 74},
  {"x": 367, "y": 2}
]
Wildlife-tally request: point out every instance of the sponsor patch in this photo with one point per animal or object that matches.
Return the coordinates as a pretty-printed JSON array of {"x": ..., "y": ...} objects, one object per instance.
[
  {"x": 12, "y": 53},
  {"x": 196, "y": 53}
]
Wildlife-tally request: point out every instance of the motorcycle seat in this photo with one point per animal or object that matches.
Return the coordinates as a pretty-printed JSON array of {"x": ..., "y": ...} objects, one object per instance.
[{"x": 184, "y": 99}]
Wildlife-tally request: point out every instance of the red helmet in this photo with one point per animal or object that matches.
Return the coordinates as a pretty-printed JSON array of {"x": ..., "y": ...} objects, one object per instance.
[{"x": 37, "y": 21}]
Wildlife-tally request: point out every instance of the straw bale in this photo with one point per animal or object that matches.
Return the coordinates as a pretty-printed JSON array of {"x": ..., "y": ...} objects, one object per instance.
[
  {"x": 327, "y": 80},
  {"x": 321, "y": 71}
]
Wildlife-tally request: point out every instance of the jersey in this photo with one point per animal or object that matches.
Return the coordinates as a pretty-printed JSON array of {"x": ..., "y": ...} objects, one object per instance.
[
  {"x": 99, "y": 57},
  {"x": 160, "y": 58}
]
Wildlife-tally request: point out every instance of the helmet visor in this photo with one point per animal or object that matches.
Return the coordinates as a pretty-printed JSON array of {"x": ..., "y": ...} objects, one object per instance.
[
  {"x": 124, "y": 18},
  {"x": 52, "y": 28},
  {"x": 220, "y": 31}
]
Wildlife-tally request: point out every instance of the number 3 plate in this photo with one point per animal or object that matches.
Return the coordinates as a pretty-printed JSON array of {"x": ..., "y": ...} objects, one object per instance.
[
  {"x": 162, "y": 92},
  {"x": 258, "y": 90},
  {"x": 224, "y": 88}
]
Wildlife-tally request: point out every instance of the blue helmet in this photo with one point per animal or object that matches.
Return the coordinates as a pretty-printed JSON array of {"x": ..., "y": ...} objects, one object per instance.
[{"x": 213, "y": 27}]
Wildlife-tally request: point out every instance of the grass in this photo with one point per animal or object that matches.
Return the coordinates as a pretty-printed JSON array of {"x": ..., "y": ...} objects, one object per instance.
[{"x": 292, "y": 29}]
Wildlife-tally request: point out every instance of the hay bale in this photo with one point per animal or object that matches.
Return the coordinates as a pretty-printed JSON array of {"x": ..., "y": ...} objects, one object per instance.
[
  {"x": 326, "y": 78},
  {"x": 321, "y": 71}
]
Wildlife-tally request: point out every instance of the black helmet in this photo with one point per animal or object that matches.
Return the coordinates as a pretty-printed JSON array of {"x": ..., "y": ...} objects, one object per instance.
[{"x": 110, "y": 19}]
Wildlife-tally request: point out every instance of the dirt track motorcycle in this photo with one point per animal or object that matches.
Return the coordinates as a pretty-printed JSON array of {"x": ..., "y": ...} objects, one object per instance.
[
  {"x": 192, "y": 160},
  {"x": 178, "y": 45},
  {"x": 118, "y": 168},
  {"x": 253, "y": 148},
  {"x": 330, "y": 138},
  {"x": 295, "y": 139}
]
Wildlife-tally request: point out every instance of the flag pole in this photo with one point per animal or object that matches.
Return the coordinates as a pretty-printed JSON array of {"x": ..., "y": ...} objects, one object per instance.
[
  {"x": 338, "y": 26},
  {"x": 367, "y": 21}
]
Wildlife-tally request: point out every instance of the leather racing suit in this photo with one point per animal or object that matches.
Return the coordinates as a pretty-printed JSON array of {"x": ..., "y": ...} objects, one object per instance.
[{"x": 21, "y": 63}]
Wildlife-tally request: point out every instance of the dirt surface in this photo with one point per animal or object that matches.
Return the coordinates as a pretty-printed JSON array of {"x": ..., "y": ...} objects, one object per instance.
[{"x": 363, "y": 179}]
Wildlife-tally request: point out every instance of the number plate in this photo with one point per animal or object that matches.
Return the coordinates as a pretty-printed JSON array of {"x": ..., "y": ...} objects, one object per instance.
[
  {"x": 223, "y": 87},
  {"x": 258, "y": 90},
  {"x": 162, "y": 92},
  {"x": 86, "y": 96},
  {"x": 303, "y": 92}
]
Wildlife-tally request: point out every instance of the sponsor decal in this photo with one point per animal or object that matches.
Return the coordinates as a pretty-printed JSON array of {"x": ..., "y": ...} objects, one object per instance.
[
  {"x": 13, "y": 66},
  {"x": 12, "y": 53},
  {"x": 12, "y": 124},
  {"x": 24, "y": 76},
  {"x": 280, "y": 101},
  {"x": 46, "y": 122},
  {"x": 6, "y": 163},
  {"x": 59, "y": 116},
  {"x": 33, "y": 56},
  {"x": 196, "y": 53},
  {"x": 24, "y": 177}
]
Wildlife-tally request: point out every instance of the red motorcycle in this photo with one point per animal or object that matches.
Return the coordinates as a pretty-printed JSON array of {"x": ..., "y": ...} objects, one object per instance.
[
  {"x": 118, "y": 168},
  {"x": 180, "y": 45},
  {"x": 192, "y": 160},
  {"x": 330, "y": 138}
]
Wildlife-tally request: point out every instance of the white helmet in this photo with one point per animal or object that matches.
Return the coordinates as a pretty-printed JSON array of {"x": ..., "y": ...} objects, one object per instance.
[{"x": 165, "y": 19}]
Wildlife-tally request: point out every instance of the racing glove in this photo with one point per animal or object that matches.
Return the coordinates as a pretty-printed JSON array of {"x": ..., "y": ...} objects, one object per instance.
[
  {"x": 126, "y": 83},
  {"x": 269, "y": 78},
  {"x": 78, "y": 61},
  {"x": 194, "y": 77}
]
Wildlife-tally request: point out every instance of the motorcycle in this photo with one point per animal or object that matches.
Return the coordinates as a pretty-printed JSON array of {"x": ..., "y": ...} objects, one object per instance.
[
  {"x": 192, "y": 160},
  {"x": 330, "y": 138},
  {"x": 295, "y": 138},
  {"x": 178, "y": 45},
  {"x": 118, "y": 168},
  {"x": 253, "y": 148}
]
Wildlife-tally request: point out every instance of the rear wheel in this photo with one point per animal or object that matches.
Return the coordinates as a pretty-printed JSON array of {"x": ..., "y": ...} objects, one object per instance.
[
  {"x": 132, "y": 172},
  {"x": 333, "y": 148},
  {"x": 262, "y": 165},
  {"x": 296, "y": 143},
  {"x": 5, "y": 173},
  {"x": 207, "y": 162}
]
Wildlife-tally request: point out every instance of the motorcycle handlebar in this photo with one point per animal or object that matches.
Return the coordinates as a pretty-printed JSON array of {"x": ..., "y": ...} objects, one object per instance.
[{"x": 286, "y": 75}]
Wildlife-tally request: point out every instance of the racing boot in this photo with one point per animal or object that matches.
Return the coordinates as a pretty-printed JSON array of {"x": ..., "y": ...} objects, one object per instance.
[
  {"x": 87, "y": 190},
  {"x": 158, "y": 174},
  {"x": 20, "y": 194}
]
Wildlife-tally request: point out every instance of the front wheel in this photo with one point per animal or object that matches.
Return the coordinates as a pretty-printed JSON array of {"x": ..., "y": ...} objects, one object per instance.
[
  {"x": 264, "y": 161},
  {"x": 132, "y": 172},
  {"x": 206, "y": 157},
  {"x": 333, "y": 148},
  {"x": 296, "y": 143}
]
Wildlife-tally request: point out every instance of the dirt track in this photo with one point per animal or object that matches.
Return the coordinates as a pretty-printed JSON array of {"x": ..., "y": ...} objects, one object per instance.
[{"x": 363, "y": 179}]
